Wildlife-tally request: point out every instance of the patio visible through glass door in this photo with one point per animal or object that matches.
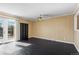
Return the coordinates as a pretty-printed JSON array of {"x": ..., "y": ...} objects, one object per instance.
[
  {"x": 1, "y": 29},
  {"x": 7, "y": 30}
]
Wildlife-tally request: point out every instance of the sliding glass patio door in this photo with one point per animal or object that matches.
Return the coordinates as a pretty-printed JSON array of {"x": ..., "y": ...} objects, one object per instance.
[
  {"x": 1, "y": 29},
  {"x": 7, "y": 30}
]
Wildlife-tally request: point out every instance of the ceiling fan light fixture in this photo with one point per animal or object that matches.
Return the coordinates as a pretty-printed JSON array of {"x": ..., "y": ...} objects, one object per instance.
[{"x": 39, "y": 19}]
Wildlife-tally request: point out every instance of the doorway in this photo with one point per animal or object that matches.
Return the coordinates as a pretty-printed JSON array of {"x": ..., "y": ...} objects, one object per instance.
[
  {"x": 7, "y": 29},
  {"x": 23, "y": 32}
]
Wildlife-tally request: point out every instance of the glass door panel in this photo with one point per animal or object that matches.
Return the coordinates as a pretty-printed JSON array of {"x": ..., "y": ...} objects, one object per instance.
[
  {"x": 1, "y": 29},
  {"x": 7, "y": 30},
  {"x": 11, "y": 28}
]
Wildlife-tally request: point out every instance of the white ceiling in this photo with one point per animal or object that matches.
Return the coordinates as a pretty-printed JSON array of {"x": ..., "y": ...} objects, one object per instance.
[{"x": 33, "y": 10}]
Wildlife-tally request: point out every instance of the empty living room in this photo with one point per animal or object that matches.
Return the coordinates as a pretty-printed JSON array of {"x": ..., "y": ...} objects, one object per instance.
[{"x": 39, "y": 29}]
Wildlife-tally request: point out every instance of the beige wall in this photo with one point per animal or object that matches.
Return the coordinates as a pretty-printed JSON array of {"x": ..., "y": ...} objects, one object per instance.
[{"x": 59, "y": 28}]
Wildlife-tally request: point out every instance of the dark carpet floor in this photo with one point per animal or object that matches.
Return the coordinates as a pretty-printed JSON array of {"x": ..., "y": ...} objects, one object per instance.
[{"x": 35, "y": 46}]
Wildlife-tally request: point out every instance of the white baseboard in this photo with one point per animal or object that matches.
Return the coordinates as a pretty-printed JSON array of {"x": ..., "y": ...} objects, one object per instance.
[
  {"x": 54, "y": 40},
  {"x": 59, "y": 41},
  {"x": 76, "y": 47}
]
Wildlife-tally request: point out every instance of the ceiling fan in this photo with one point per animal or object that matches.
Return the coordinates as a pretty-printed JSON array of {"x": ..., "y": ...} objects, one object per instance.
[{"x": 43, "y": 17}]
